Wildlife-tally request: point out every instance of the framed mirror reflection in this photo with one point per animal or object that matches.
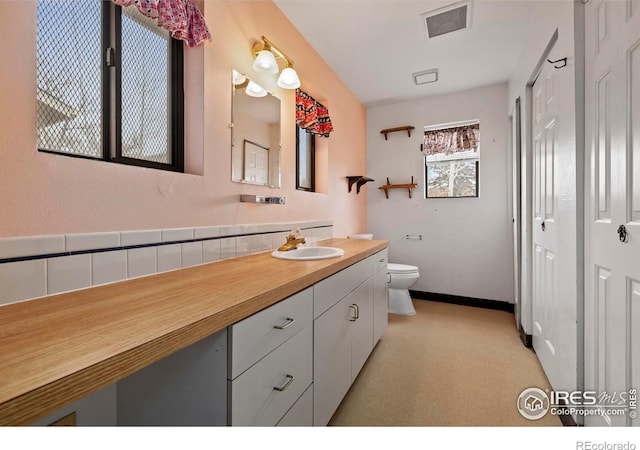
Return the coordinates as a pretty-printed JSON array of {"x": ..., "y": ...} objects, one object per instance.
[{"x": 255, "y": 134}]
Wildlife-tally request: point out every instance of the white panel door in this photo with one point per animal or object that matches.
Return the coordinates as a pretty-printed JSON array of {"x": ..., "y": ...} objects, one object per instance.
[
  {"x": 256, "y": 164},
  {"x": 545, "y": 227},
  {"x": 612, "y": 262}
]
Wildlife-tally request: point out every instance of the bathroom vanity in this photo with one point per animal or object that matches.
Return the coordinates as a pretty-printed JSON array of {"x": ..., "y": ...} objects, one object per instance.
[{"x": 253, "y": 338}]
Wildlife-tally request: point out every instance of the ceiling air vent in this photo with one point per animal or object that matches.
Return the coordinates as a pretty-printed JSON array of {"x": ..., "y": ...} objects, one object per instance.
[
  {"x": 448, "y": 19},
  {"x": 427, "y": 76}
]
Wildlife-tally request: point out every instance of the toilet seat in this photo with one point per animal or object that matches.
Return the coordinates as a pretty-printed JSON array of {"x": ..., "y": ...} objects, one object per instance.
[{"x": 401, "y": 268}]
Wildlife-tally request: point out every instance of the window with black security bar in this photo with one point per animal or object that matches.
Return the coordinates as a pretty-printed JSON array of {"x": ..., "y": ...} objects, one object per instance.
[{"x": 109, "y": 85}]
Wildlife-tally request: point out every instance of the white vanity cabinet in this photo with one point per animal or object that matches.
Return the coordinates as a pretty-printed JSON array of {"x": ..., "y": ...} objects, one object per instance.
[
  {"x": 270, "y": 361},
  {"x": 345, "y": 320}
]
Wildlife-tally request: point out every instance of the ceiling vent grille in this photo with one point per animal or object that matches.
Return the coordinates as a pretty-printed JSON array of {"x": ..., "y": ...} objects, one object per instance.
[
  {"x": 448, "y": 19},
  {"x": 424, "y": 77}
]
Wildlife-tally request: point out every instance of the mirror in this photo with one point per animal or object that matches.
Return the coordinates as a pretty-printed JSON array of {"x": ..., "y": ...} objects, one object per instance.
[{"x": 255, "y": 134}]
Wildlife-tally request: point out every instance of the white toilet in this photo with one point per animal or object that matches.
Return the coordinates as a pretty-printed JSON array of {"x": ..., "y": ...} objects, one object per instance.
[{"x": 400, "y": 278}]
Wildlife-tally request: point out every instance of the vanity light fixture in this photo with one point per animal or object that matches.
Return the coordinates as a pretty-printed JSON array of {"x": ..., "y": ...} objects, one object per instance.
[{"x": 265, "y": 54}]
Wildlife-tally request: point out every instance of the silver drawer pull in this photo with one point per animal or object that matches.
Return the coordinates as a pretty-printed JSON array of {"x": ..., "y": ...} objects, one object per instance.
[
  {"x": 290, "y": 379},
  {"x": 356, "y": 311},
  {"x": 282, "y": 327}
]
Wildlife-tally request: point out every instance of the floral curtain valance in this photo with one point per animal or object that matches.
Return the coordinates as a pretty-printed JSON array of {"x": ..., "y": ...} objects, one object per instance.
[
  {"x": 181, "y": 17},
  {"x": 451, "y": 140},
  {"x": 312, "y": 115}
]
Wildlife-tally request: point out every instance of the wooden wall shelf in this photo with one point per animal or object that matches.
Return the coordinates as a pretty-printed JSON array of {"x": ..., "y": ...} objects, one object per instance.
[
  {"x": 406, "y": 128},
  {"x": 388, "y": 186}
]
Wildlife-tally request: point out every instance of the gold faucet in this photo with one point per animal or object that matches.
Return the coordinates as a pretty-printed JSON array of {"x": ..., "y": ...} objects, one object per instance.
[{"x": 293, "y": 240}]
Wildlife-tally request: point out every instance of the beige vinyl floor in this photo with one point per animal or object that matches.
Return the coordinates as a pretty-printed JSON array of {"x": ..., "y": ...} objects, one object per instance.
[{"x": 448, "y": 365}]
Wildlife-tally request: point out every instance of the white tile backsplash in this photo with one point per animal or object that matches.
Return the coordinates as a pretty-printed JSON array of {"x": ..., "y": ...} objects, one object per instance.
[
  {"x": 191, "y": 254},
  {"x": 22, "y": 280},
  {"x": 227, "y": 248},
  {"x": 229, "y": 230},
  {"x": 108, "y": 267},
  {"x": 266, "y": 242},
  {"x": 141, "y": 261},
  {"x": 206, "y": 232},
  {"x": 169, "y": 257},
  {"x": 90, "y": 241},
  {"x": 246, "y": 245},
  {"x": 30, "y": 246},
  {"x": 210, "y": 251},
  {"x": 177, "y": 234},
  {"x": 140, "y": 237},
  {"x": 68, "y": 273}
]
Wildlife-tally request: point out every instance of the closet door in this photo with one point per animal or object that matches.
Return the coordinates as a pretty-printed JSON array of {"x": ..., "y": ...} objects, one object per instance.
[{"x": 554, "y": 268}]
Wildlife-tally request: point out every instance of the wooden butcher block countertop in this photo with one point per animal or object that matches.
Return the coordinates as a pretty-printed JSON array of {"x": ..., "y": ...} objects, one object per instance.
[{"x": 58, "y": 349}]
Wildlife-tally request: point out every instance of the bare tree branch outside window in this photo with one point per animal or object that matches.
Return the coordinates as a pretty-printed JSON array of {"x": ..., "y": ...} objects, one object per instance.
[{"x": 452, "y": 165}]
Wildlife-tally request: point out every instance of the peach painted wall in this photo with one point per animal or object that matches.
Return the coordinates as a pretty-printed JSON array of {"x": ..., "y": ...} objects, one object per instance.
[{"x": 49, "y": 194}]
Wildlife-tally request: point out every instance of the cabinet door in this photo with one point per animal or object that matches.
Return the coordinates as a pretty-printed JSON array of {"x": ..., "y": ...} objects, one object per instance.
[
  {"x": 361, "y": 305},
  {"x": 331, "y": 360},
  {"x": 380, "y": 304}
]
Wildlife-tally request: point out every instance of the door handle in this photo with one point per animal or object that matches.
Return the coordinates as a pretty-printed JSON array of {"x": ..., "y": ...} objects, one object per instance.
[
  {"x": 543, "y": 225},
  {"x": 622, "y": 233}
]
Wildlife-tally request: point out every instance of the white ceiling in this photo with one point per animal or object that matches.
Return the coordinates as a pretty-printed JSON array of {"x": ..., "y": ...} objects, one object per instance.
[{"x": 375, "y": 46}]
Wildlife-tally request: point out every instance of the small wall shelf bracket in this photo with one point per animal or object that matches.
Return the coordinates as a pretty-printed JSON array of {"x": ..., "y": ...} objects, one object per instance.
[
  {"x": 388, "y": 186},
  {"x": 407, "y": 128},
  {"x": 558, "y": 64},
  {"x": 358, "y": 180}
]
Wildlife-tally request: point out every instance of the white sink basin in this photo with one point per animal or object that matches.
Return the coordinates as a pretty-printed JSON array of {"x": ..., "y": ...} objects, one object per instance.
[{"x": 309, "y": 253}]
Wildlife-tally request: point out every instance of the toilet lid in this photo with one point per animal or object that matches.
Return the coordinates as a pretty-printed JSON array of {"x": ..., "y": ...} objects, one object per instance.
[{"x": 401, "y": 268}]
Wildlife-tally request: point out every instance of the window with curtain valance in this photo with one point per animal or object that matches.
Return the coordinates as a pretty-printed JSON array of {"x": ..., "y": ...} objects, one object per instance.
[
  {"x": 311, "y": 115},
  {"x": 452, "y": 155},
  {"x": 181, "y": 18}
]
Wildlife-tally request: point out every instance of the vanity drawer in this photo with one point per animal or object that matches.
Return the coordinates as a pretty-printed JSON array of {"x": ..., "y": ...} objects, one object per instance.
[
  {"x": 331, "y": 290},
  {"x": 301, "y": 413},
  {"x": 257, "y": 335},
  {"x": 262, "y": 395}
]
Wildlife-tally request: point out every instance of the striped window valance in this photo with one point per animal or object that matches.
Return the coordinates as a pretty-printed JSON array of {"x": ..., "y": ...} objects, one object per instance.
[
  {"x": 448, "y": 141},
  {"x": 181, "y": 17},
  {"x": 312, "y": 115}
]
